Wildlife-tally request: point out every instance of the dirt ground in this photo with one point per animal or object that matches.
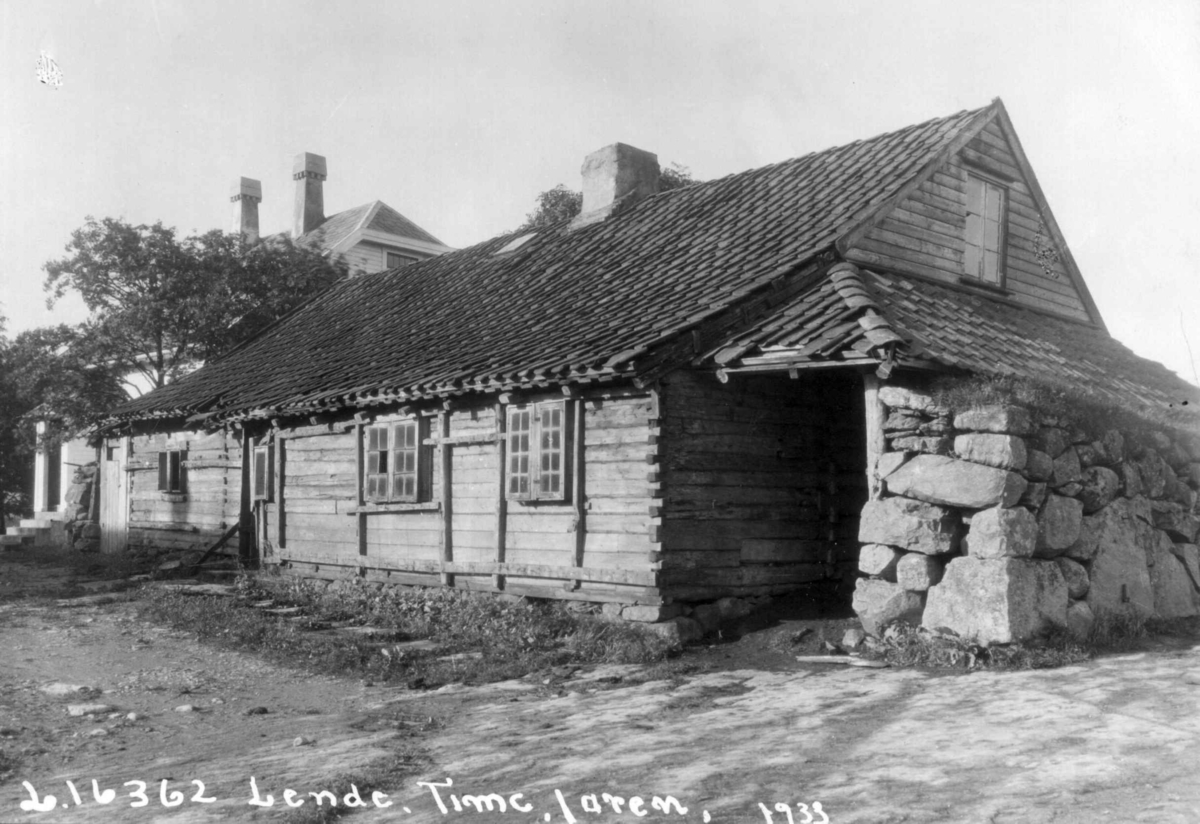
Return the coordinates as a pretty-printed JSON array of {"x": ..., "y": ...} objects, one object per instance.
[{"x": 740, "y": 732}]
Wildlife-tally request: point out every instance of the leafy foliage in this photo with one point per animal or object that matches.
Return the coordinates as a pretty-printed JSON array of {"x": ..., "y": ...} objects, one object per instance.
[
  {"x": 560, "y": 203},
  {"x": 160, "y": 305}
]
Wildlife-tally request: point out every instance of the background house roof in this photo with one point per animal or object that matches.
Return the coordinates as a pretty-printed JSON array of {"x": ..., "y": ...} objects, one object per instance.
[{"x": 337, "y": 229}]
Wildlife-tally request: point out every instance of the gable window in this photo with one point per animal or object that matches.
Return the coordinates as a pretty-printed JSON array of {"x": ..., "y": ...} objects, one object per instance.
[
  {"x": 263, "y": 485},
  {"x": 172, "y": 474},
  {"x": 537, "y": 452},
  {"x": 395, "y": 259},
  {"x": 986, "y": 206},
  {"x": 397, "y": 464}
]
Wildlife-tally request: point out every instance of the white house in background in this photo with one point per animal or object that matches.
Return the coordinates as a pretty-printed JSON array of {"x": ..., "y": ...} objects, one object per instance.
[{"x": 369, "y": 238}]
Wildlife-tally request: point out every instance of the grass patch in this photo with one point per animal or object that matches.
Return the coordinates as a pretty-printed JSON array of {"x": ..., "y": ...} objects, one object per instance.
[
  {"x": 479, "y": 637},
  {"x": 1113, "y": 632}
]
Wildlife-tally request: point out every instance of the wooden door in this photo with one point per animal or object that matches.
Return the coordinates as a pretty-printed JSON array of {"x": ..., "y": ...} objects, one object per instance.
[{"x": 114, "y": 497}]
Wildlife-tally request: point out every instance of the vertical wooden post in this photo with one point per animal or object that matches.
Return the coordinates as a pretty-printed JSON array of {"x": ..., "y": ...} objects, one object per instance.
[
  {"x": 875, "y": 440},
  {"x": 246, "y": 522},
  {"x": 577, "y": 491},
  {"x": 447, "y": 502},
  {"x": 280, "y": 476},
  {"x": 361, "y": 480},
  {"x": 501, "y": 492}
]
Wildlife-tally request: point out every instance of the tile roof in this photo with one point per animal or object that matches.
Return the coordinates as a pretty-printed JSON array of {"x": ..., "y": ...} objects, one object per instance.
[
  {"x": 856, "y": 313},
  {"x": 375, "y": 215},
  {"x": 568, "y": 304}
]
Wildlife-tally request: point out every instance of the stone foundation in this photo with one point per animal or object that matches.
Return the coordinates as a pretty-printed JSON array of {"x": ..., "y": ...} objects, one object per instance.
[{"x": 999, "y": 524}]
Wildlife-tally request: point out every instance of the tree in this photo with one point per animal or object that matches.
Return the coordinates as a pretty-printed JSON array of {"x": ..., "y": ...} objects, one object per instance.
[
  {"x": 560, "y": 203},
  {"x": 160, "y": 305}
]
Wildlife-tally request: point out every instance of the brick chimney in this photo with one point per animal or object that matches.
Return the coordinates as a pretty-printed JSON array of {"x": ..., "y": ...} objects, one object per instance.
[
  {"x": 613, "y": 178},
  {"x": 246, "y": 195},
  {"x": 309, "y": 173}
]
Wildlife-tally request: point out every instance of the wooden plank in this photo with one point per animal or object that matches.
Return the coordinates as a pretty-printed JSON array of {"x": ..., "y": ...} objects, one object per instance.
[
  {"x": 501, "y": 531},
  {"x": 766, "y": 550},
  {"x": 876, "y": 442},
  {"x": 446, "y": 450},
  {"x": 578, "y": 474},
  {"x": 360, "y": 462}
]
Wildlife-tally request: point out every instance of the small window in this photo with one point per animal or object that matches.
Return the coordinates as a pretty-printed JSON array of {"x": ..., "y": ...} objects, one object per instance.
[
  {"x": 264, "y": 476},
  {"x": 395, "y": 259},
  {"x": 397, "y": 463},
  {"x": 986, "y": 207},
  {"x": 537, "y": 441},
  {"x": 172, "y": 474}
]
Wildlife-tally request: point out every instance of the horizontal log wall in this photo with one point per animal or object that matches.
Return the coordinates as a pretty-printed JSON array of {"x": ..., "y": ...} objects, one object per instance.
[
  {"x": 925, "y": 233},
  {"x": 541, "y": 548},
  {"x": 196, "y": 519},
  {"x": 762, "y": 482}
]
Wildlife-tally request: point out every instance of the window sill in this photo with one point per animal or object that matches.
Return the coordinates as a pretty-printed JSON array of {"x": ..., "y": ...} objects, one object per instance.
[
  {"x": 174, "y": 497},
  {"x": 992, "y": 288},
  {"x": 367, "y": 509}
]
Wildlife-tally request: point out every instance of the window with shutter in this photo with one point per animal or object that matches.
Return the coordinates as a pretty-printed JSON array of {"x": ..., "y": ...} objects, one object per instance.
[
  {"x": 172, "y": 474},
  {"x": 263, "y": 482},
  {"x": 397, "y": 461},
  {"x": 984, "y": 251}
]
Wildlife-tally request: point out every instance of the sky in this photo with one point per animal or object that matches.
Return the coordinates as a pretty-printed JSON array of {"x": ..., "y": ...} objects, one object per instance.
[{"x": 458, "y": 113}]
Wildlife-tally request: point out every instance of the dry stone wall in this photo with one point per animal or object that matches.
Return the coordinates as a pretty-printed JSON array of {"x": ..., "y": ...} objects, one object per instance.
[{"x": 999, "y": 523}]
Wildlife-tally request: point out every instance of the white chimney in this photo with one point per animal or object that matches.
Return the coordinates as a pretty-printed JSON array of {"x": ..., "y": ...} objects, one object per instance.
[
  {"x": 246, "y": 195},
  {"x": 613, "y": 178},
  {"x": 309, "y": 173}
]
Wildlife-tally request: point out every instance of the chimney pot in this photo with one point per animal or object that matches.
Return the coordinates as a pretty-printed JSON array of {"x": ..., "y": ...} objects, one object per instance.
[
  {"x": 613, "y": 178},
  {"x": 309, "y": 173},
  {"x": 246, "y": 194}
]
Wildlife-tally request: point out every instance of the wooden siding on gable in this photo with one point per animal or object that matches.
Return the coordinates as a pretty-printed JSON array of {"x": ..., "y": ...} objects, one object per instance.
[{"x": 924, "y": 234}]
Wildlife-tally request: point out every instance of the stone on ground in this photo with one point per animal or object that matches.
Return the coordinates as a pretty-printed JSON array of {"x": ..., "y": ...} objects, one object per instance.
[
  {"x": 61, "y": 690},
  {"x": 80, "y": 710},
  {"x": 938, "y": 479},
  {"x": 879, "y": 603},
  {"x": 998, "y": 601}
]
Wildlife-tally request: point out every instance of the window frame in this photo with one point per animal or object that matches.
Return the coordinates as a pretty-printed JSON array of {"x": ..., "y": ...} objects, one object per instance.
[
  {"x": 537, "y": 452},
  {"x": 1001, "y": 187},
  {"x": 416, "y": 430},
  {"x": 172, "y": 473},
  {"x": 406, "y": 259}
]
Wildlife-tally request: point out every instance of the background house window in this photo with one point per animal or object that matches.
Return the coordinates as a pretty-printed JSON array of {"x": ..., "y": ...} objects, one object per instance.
[
  {"x": 986, "y": 205},
  {"x": 172, "y": 475},
  {"x": 264, "y": 479},
  {"x": 397, "y": 462},
  {"x": 537, "y": 454},
  {"x": 395, "y": 259}
]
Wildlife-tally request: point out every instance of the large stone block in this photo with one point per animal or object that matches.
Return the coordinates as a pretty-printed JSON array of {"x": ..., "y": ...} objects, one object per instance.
[
  {"x": 931, "y": 445},
  {"x": 889, "y": 462},
  {"x": 1174, "y": 520},
  {"x": 1038, "y": 465},
  {"x": 1131, "y": 479},
  {"x": 1035, "y": 496},
  {"x": 909, "y": 524},
  {"x": 1066, "y": 468},
  {"x": 1100, "y": 485},
  {"x": 1112, "y": 447},
  {"x": 917, "y": 573},
  {"x": 1120, "y": 577},
  {"x": 998, "y": 600},
  {"x": 1002, "y": 533},
  {"x": 897, "y": 397},
  {"x": 951, "y": 482},
  {"x": 1153, "y": 471},
  {"x": 1007, "y": 418},
  {"x": 879, "y": 603},
  {"x": 1174, "y": 595},
  {"x": 1075, "y": 575},
  {"x": 1001, "y": 451},
  {"x": 1058, "y": 525},
  {"x": 879, "y": 561}
]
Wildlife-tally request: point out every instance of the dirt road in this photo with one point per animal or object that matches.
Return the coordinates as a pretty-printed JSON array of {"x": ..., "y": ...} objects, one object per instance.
[{"x": 1112, "y": 740}]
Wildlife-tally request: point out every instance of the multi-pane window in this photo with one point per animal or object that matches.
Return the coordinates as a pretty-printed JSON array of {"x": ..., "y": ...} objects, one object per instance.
[
  {"x": 984, "y": 258},
  {"x": 262, "y": 476},
  {"x": 172, "y": 475},
  {"x": 537, "y": 451},
  {"x": 394, "y": 467}
]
